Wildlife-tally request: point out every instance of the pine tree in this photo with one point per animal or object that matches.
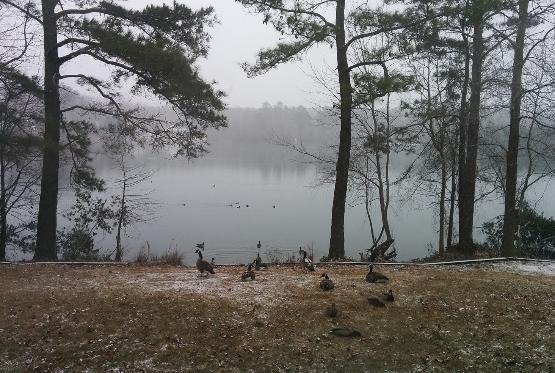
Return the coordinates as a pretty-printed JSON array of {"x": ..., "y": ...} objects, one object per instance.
[{"x": 154, "y": 49}]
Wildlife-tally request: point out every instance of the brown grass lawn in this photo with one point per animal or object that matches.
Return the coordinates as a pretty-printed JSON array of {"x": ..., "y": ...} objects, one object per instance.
[{"x": 167, "y": 319}]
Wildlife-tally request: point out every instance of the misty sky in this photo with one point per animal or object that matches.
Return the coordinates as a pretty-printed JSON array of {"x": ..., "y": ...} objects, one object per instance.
[{"x": 236, "y": 39}]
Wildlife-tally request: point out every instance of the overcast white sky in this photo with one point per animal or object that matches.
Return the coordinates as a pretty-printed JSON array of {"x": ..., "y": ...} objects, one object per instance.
[{"x": 236, "y": 39}]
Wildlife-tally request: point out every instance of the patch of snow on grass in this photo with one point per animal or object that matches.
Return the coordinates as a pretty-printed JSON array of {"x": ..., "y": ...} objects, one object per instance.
[
  {"x": 541, "y": 268},
  {"x": 270, "y": 286}
]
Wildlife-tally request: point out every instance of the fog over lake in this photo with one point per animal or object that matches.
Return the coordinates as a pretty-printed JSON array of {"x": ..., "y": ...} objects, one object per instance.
[{"x": 245, "y": 167}]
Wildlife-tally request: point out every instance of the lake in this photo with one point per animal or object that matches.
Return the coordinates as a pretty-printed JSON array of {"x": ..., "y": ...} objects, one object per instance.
[
  {"x": 206, "y": 200},
  {"x": 230, "y": 202}
]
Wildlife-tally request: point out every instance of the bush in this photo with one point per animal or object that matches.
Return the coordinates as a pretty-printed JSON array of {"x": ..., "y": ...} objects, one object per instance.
[
  {"x": 78, "y": 245},
  {"x": 170, "y": 257},
  {"x": 535, "y": 236}
]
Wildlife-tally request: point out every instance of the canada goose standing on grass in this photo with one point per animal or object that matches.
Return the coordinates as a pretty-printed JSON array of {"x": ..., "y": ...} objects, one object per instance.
[
  {"x": 326, "y": 284},
  {"x": 248, "y": 274},
  {"x": 258, "y": 262},
  {"x": 203, "y": 265},
  {"x": 307, "y": 263},
  {"x": 331, "y": 311},
  {"x": 375, "y": 276}
]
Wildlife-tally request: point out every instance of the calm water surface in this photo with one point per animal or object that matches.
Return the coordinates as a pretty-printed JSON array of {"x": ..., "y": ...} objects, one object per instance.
[{"x": 194, "y": 201}]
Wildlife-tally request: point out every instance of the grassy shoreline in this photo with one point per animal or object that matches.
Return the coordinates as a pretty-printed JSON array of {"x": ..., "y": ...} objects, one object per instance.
[{"x": 162, "y": 318}]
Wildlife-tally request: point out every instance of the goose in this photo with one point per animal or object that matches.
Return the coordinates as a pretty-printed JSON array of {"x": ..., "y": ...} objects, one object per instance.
[
  {"x": 203, "y": 265},
  {"x": 345, "y": 332},
  {"x": 331, "y": 311},
  {"x": 213, "y": 263},
  {"x": 248, "y": 274},
  {"x": 375, "y": 276},
  {"x": 258, "y": 245},
  {"x": 388, "y": 297},
  {"x": 258, "y": 262},
  {"x": 307, "y": 263},
  {"x": 326, "y": 283},
  {"x": 375, "y": 302}
]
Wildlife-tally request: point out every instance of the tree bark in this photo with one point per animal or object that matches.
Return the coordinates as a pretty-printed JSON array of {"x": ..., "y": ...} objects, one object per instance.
[
  {"x": 3, "y": 213},
  {"x": 46, "y": 224},
  {"x": 121, "y": 217},
  {"x": 337, "y": 236},
  {"x": 511, "y": 212},
  {"x": 452, "y": 199},
  {"x": 442, "y": 193},
  {"x": 467, "y": 186},
  {"x": 463, "y": 118}
]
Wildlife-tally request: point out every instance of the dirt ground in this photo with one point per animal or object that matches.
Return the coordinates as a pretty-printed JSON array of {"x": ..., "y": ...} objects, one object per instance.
[{"x": 56, "y": 318}]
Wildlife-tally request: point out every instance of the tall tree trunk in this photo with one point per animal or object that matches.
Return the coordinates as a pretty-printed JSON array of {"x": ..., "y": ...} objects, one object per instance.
[
  {"x": 3, "y": 207},
  {"x": 337, "y": 236},
  {"x": 382, "y": 192},
  {"x": 367, "y": 203},
  {"x": 121, "y": 217},
  {"x": 463, "y": 120},
  {"x": 467, "y": 187},
  {"x": 452, "y": 199},
  {"x": 511, "y": 212},
  {"x": 46, "y": 225},
  {"x": 441, "y": 238}
]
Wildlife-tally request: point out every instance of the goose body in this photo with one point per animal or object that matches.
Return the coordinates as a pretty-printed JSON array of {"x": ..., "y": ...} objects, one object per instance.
[
  {"x": 375, "y": 302},
  {"x": 375, "y": 276},
  {"x": 258, "y": 262},
  {"x": 326, "y": 284},
  {"x": 388, "y": 297},
  {"x": 203, "y": 265},
  {"x": 331, "y": 311},
  {"x": 248, "y": 274},
  {"x": 306, "y": 262}
]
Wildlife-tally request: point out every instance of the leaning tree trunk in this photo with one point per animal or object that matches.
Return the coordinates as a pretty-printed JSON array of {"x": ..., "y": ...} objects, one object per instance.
[
  {"x": 467, "y": 186},
  {"x": 46, "y": 224},
  {"x": 337, "y": 236},
  {"x": 511, "y": 213}
]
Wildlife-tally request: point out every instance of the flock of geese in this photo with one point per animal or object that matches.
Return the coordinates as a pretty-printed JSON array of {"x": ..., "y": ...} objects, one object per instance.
[{"x": 326, "y": 284}]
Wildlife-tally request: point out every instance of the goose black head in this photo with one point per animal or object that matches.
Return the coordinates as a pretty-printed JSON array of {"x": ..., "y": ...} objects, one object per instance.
[
  {"x": 199, "y": 253},
  {"x": 371, "y": 267},
  {"x": 249, "y": 268}
]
